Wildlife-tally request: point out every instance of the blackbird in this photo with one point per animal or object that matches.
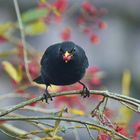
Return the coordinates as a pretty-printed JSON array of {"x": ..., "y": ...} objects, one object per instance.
[{"x": 63, "y": 64}]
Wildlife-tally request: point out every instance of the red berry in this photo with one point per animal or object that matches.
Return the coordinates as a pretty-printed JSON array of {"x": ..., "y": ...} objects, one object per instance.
[
  {"x": 95, "y": 81},
  {"x": 89, "y": 8},
  {"x": 93, "y": 70},
  {"x": 95, "y": 39},
  {"x": 102, "y": 25},
  {"x": 80, "y": 20},
  {"x": 66, "y": 34},
  {"x": 87, "y": 30},
  {"x": 61, "y": 5}
]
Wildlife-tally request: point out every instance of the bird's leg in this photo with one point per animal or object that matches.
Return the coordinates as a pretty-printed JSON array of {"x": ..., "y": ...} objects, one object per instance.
[
  {"x": 85, "y": 92},
  {"x": 47, "y": 95}
]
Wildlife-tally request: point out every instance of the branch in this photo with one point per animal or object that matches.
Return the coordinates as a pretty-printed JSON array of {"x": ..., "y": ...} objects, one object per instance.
[
  {"x": 121, "y": 98},
  {"x": 13, "y": 131},
  {"x": 22, "y": 39},
  {"x": 42, "y": 110},
  {"x": 20, "y": 105},
  {"x": 97, "y": 107},
  {"x": 97, "y": 126},
  {"x": 89, "y": 132}
]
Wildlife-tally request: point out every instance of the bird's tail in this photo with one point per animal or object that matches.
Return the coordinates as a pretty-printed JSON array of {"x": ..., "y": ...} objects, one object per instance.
[{"x": 38, "y": 80}]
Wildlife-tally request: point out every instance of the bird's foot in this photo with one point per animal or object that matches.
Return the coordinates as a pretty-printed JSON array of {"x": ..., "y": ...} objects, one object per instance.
[
  {"x": 85, "y": 92},
  {"x": 47, "y": 96}
]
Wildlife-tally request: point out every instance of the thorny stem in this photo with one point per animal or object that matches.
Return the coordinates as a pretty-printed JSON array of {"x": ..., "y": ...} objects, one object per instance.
[
  {"x": 97, "y": 126},
  {"x": 121, "y": 98}
]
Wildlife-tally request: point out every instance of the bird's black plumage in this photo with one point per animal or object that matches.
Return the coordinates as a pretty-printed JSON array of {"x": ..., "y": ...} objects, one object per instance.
[{"x": 58, "y": 71}]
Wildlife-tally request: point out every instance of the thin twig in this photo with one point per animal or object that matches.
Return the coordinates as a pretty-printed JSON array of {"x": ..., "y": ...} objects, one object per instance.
[
  {"x": 43, "y": 123},
  {"x": 97, "y": 107},
  {"x": 15, "y": 40},
  {"x": 12, "y": 130},
  {"x": 42, "y": 110},
  {"x": 22, "y": 39},
  {"x": 10, "y": 135},
  {"x": 89, "y": 132},
  {"x": 129, "y": 107},
  {"x": 105, "y": 104},
  {"x": 34, "y": 132},
  {"x": 97, "y": 126},
  {"x": 20, "y": 105},
  {"x": 75, "y": 132},
  {"x": 32, "y": 122},
  {"x": 14, "y": 95},
  {"x": 122, "y": 98}
]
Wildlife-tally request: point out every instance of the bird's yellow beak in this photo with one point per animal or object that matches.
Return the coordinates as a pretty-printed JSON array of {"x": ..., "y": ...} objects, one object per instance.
[{"x": 67, "y": 56}]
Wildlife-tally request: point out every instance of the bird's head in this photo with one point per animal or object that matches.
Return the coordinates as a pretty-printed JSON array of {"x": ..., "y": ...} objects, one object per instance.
[{"x": 67, "y": 51}]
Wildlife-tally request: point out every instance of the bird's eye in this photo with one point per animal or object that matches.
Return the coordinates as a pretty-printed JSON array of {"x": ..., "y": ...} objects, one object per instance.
[
  {"x": 61, "y": 50},
  {"x": 73, "y": 50}
]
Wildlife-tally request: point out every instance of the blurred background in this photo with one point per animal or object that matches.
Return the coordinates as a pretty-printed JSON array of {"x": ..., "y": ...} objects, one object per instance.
[{"x": 110, "y": 37}]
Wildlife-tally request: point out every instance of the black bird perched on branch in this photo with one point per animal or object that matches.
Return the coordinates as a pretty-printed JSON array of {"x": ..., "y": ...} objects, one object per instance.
[{"x": 63, "y": 64}]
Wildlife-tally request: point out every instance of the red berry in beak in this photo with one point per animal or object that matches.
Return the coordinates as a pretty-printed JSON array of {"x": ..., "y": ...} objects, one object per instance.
[{"x": 67, "y": 57}]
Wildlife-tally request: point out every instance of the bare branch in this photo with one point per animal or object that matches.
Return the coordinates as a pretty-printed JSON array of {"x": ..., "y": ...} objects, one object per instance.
[
  {"x": 129, "y": 100},
  {"x": 2, "y": 113},
  {"x": 22, "y": 39},
  {"x": 89, "y": 132},
  {"x": 13, "y": 131},
  {"x": 97, "y": 126}
]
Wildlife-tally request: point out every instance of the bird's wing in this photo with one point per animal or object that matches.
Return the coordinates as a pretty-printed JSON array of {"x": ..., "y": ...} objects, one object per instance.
[
  {"x": 45, "y": 56},
  {"x": 86, "y": 62},
  {"x": 82, "y": 56},
  {"x": 48, "y": 52}
]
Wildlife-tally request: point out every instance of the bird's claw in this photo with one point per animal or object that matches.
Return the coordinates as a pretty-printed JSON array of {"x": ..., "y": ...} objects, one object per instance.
[
  {"x": 46, "y": 96},
  {"x": 85, "y": 92}
]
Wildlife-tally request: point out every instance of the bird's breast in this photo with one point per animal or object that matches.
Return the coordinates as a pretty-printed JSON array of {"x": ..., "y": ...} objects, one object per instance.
[{"x": 62, "y": 73}]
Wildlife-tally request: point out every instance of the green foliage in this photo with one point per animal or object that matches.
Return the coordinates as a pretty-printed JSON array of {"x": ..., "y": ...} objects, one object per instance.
[{"x": 34, "y": 14}]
